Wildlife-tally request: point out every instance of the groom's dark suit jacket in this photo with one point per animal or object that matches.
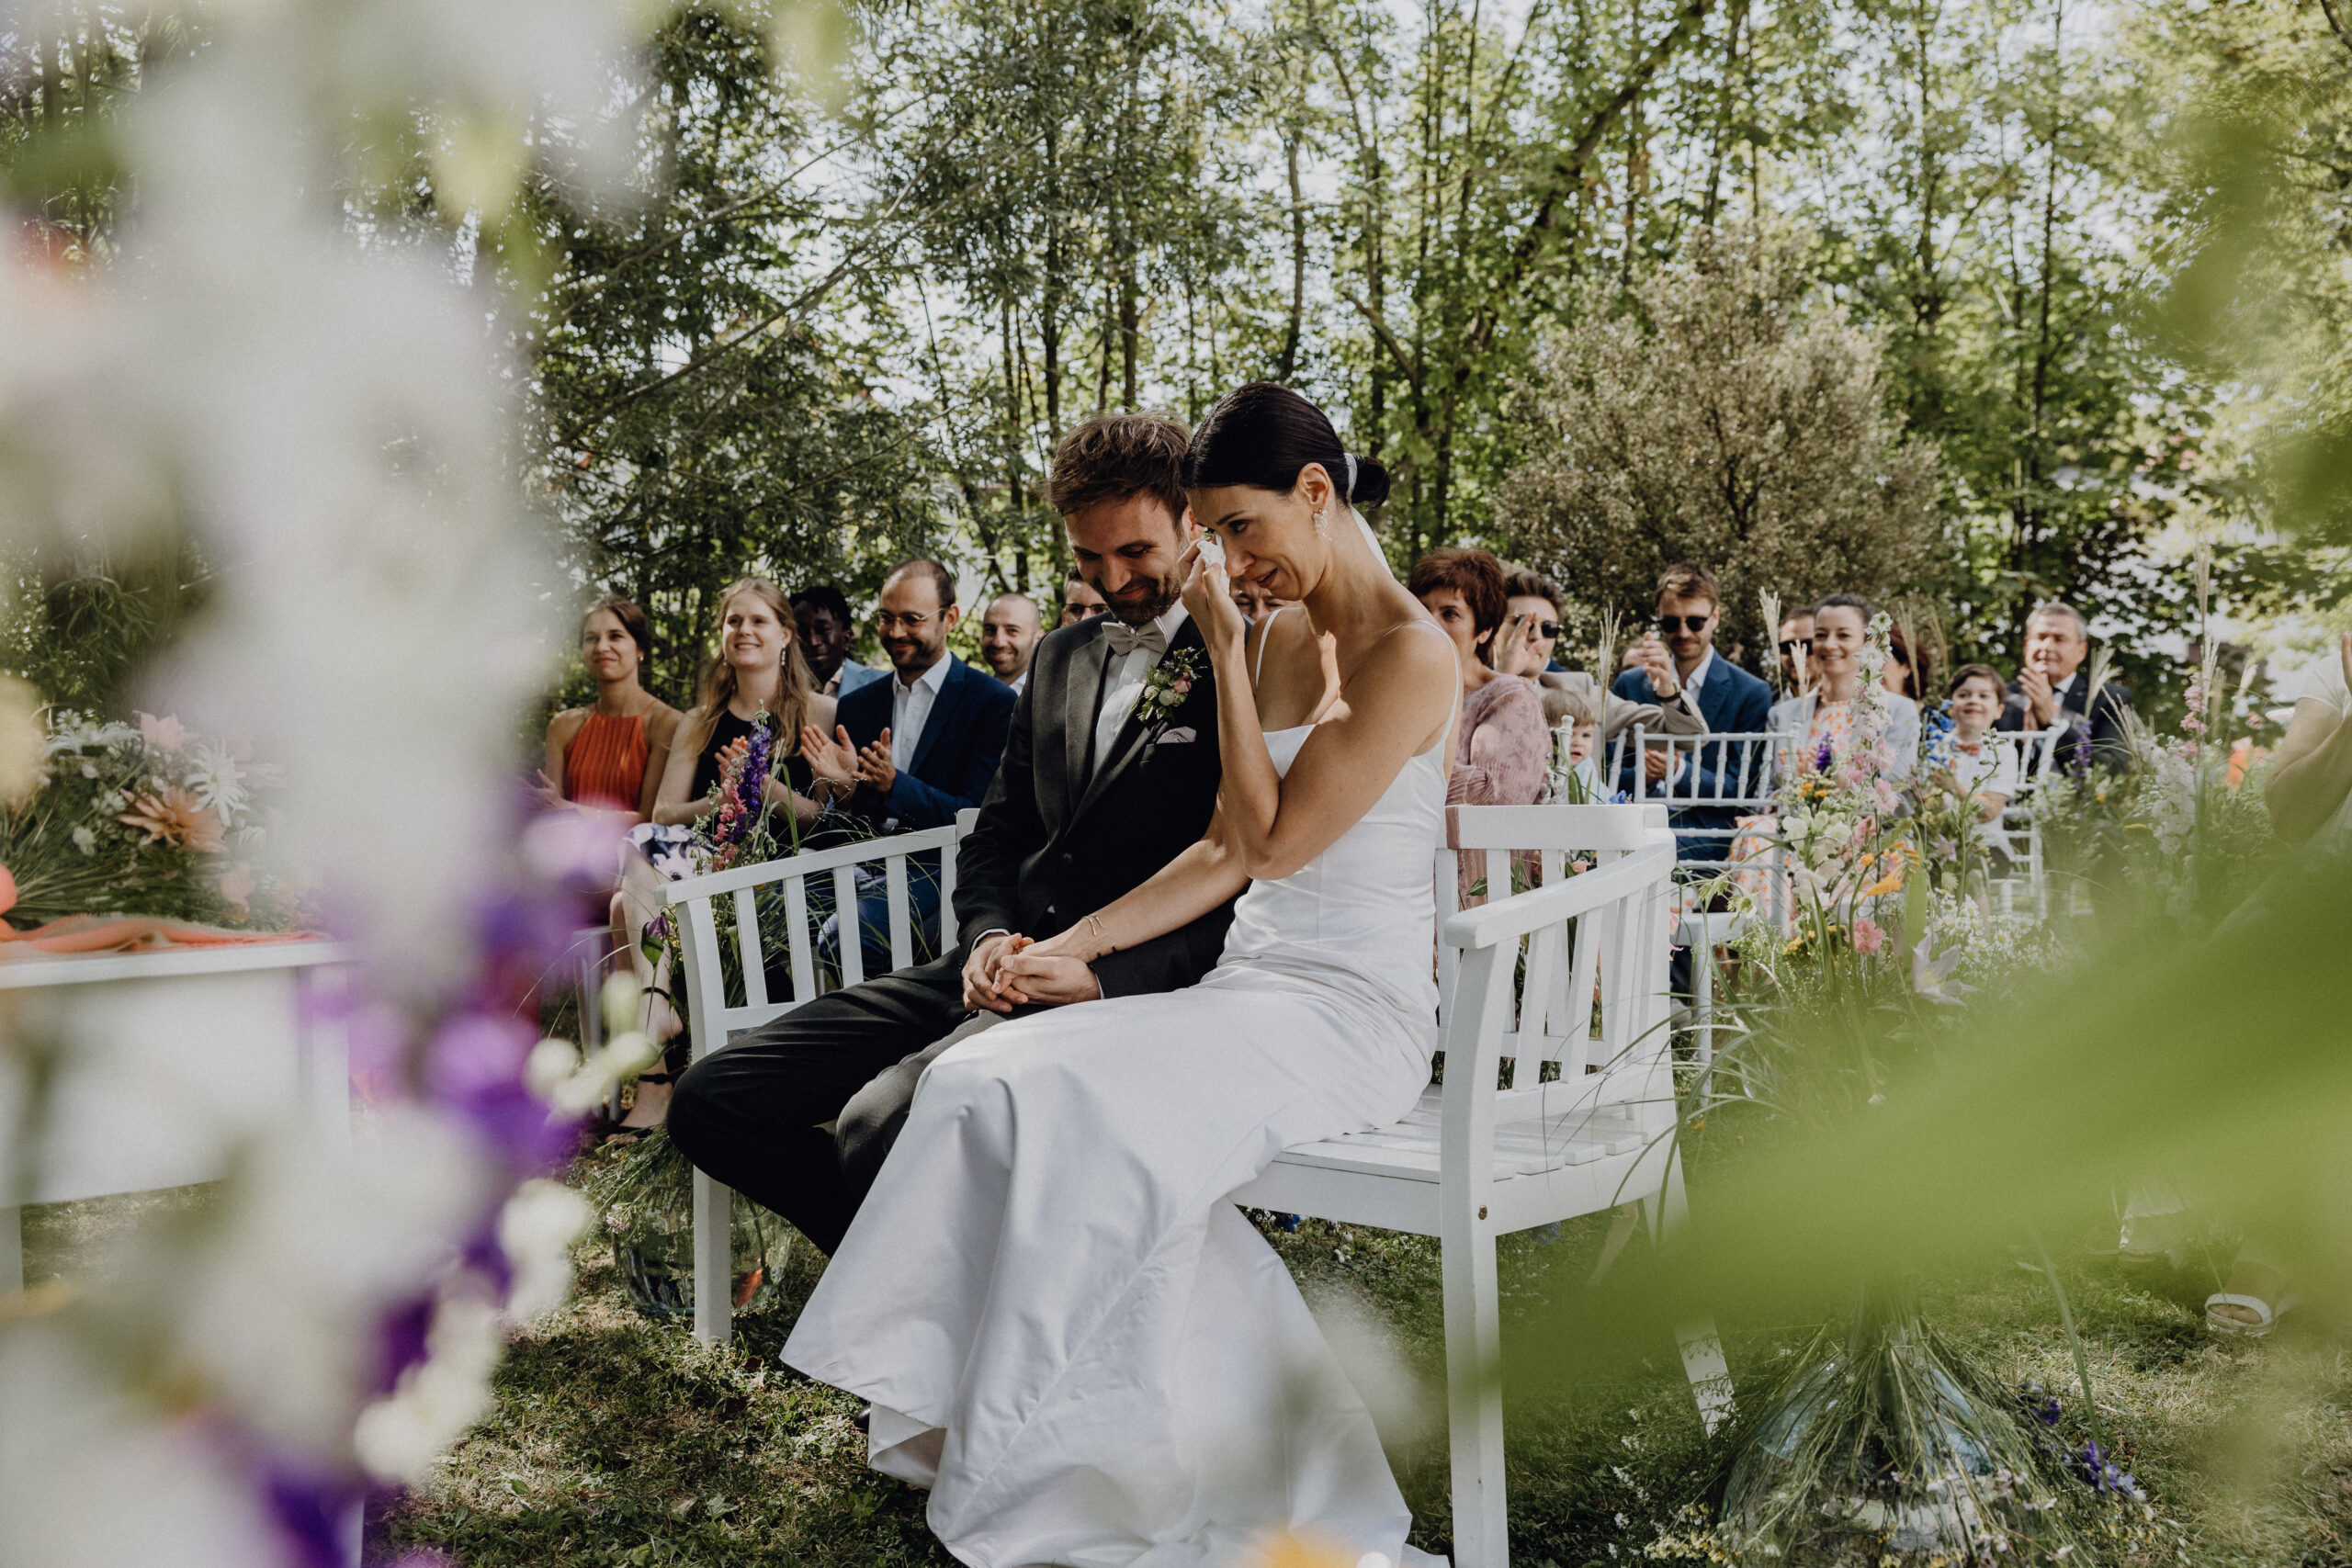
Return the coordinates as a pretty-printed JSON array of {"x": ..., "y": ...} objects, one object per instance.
[{"x": 1059, "y": 836}]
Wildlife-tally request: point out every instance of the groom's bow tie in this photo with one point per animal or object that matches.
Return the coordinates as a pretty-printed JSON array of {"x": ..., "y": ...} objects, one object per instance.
[{"x": 1125, "y": 640}]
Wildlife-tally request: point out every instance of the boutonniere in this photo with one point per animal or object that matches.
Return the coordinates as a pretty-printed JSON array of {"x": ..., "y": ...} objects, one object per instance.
[{"x": 1166, "y": 688}]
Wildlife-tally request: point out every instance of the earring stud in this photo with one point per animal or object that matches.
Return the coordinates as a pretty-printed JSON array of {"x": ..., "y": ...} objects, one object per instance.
[{"x": 1319, "y": 523}]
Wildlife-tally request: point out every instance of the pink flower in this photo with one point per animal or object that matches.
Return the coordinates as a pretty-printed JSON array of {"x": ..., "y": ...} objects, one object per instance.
[
  {"x": 237, "y": 887},
  {"x": 166, "y": 734},
  {"x": 1868, "y": 937}
]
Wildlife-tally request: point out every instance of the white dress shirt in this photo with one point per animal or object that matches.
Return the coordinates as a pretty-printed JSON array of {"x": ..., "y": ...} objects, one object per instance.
[
  {"x": 1692, "y": 684},
  {"x": 911, "y": 710},
  {"x": 1123, "y": 682},
  {"x": 1018, "y": 681}
]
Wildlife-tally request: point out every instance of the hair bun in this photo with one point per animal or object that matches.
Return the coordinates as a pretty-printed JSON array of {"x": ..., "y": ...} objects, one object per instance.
[{"x": 1372, "y": 483}]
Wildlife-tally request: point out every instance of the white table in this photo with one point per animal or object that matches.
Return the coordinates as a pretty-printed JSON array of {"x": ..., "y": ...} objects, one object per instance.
[{"x": 160, "y": 1063}]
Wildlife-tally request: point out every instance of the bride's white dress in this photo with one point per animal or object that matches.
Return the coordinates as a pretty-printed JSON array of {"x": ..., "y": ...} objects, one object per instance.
[{"x": 1048, "y": 1270}]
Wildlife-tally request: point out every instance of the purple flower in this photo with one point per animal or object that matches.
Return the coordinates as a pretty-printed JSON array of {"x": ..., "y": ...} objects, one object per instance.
[
  {"x": 2079, "y": 758},
  {"x": 1823, "y": 757},
  {"x": 751, "y": 784}
]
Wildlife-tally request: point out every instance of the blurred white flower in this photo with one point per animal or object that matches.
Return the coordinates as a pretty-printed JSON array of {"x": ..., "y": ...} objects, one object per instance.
[
  {"x": 85, "y": 841},
  {"x": 398, "y": 1438},
  {"x": 535, "y": 1230}
]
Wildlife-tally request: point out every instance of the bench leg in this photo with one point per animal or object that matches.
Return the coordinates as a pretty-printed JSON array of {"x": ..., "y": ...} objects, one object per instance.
[
  {"x": 1702, "y": 1350},
  {"x": 1474, "y": 1400},
  {"x": 714, "y": 1260}
]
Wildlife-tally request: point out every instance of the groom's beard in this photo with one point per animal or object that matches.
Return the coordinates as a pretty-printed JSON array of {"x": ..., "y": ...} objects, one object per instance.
[{"x": 1138, "y": 602}]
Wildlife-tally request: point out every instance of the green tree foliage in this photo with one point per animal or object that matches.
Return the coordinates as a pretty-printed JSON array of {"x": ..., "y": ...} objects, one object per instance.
[
  {"x": 1719, "y": 419},
  {"x": 710, "y": 402}
]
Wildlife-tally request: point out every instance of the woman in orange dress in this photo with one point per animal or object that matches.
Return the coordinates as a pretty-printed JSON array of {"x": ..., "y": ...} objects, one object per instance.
[{"x": 610, "y": 754}]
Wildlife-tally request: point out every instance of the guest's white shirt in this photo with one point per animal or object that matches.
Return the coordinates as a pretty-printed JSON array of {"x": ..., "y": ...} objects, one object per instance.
[
  {"x": 1692, "y": 684},
  {"x": 1123, "y": 682},
  {"x": 1018, "y": 681},
  {"x": 911, "y": 710}
]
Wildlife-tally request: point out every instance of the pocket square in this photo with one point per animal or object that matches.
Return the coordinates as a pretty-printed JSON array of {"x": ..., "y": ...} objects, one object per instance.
[{"x": 1177, "y": 736}]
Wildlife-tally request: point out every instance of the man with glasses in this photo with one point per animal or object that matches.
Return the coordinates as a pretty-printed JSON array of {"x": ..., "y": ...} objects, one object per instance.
[
  {"x": 911, "y": 752},
  {"x": 1679, "y": 672}
]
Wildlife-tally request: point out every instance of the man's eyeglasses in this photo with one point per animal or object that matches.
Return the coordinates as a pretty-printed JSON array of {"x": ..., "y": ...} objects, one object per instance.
[
  {"x": 914, "y": 620},
  {"x": 1670, "y": 624},
  {"x": 1547, "y": 628},
  {"x": 1790, "y": 644}
]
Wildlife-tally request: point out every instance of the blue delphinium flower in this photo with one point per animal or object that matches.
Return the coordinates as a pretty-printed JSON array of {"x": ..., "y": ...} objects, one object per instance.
[
  {"x": 1939, "y": 727},
  {"x": 2105, "y": 1478},
  {"x": 1823, "y": 757},
  {"x": 750, "y": 787},
  {"x": 2078, "y": 741}
]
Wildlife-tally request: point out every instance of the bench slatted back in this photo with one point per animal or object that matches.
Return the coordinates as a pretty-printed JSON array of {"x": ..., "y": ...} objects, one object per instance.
[
  {"x": 1591, "y": 990},
  {"x": 1581, "y": 960},
  {"x": 714, "y": 1015}
]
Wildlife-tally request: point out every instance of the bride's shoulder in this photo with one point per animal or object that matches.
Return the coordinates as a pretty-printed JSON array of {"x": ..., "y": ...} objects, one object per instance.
[{"x": 1417, "y": 649}]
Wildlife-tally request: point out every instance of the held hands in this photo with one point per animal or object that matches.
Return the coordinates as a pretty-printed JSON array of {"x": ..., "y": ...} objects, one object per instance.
[
  {"x": 1006, "y": 972},
  {"x": 1208, "y": 598}
]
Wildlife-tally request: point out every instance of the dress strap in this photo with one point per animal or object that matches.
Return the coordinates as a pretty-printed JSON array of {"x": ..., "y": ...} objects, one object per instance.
[{"x": 1265, "y": 636}]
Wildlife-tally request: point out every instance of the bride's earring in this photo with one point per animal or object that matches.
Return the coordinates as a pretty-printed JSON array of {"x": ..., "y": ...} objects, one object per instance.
[{"x": 1320, "y": 531}]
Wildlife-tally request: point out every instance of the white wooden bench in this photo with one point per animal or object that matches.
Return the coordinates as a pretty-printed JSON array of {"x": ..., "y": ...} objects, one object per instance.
[
  {"x": 1471, "y": 1161},
  {"x": 717, "y": 1012},
  {"x": 1486, "y": 1154}
]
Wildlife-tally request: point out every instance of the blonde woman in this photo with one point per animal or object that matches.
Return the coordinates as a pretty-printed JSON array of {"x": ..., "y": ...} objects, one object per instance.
[{"x": 758, "y": 670}]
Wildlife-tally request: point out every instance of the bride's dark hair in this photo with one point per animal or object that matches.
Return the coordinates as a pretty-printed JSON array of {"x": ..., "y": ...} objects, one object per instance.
[{"x": 1264, "y": 434}]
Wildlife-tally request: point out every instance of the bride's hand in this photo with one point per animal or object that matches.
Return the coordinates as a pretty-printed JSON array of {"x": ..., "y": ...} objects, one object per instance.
[
  {"x": 1208, "y": 596},
  {"x": 1041, "y": 978}
]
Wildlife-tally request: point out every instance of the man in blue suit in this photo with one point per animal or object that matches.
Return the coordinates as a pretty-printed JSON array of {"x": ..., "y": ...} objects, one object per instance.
[
  {"x": 1679, "y": 670},
  {"x": 911, "y": 752}
]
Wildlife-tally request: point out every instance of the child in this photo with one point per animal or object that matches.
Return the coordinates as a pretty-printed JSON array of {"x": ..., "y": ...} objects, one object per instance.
[
  {"x": 1576, "y": 774},
  {"x": 1983, "y": 763}
]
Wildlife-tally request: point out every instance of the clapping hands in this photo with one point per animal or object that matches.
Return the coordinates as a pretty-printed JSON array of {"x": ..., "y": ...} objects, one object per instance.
[{"x": 843, "y": 763}]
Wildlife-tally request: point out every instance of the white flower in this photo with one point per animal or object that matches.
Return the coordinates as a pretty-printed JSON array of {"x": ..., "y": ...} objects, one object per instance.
[
  {"x": 535, "y": 1230},
  {"x": 216, "y": 779},
  {"x": 85, "y": 841},
  {"x": 398, "y": 1438}
]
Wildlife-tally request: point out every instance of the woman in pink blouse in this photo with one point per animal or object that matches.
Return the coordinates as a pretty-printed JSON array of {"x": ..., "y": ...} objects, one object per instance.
[{"x": 1503, "y": 751}]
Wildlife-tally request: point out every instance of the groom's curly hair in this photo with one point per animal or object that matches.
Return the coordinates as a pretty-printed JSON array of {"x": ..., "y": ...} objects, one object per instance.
[{"x": 1115, "y": 456}]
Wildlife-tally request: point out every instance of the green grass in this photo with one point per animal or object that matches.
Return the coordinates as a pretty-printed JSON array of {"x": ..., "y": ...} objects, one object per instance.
[{"x": 619, "y": 1440}]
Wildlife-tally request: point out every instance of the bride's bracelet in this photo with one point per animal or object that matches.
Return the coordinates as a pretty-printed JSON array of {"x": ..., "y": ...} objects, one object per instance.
[{"x": 1093, "y": 924}]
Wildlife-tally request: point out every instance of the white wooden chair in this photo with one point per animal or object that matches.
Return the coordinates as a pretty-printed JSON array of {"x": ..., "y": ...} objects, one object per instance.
[
  {"x": 714, "y": 1017},
  {"x": 1473, "y": 1160}
]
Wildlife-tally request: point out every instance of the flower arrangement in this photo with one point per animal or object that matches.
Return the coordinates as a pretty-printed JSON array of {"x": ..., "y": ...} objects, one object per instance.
[
  {"x": 1166, "y": 688},
  {"x": 144, "y": 819}
]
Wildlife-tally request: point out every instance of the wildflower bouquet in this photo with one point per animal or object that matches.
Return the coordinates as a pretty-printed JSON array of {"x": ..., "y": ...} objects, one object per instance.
[{"x": 140, "y": 820}]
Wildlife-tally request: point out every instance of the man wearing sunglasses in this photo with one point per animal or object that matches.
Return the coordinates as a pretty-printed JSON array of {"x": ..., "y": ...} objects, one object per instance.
[{"x": 1679, "y": 671}]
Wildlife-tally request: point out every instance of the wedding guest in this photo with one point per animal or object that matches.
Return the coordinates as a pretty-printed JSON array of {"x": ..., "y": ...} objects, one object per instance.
[
  {"x": 757, "y": 676},
  {"x": 2309, "y": 792},
  {"x": 1984, "y": 765},
  {"x": 1824, "y": 716},
  {"x": 1902, "y": 673},
  {"x": 2054, "y": 686},
  {"x": 827, "y": 629},
  {"x": 1255, "y": 600},
  {"x": 1577, "y": 780},
  {"x": 1538, "y": 599},
  {"x": 1009, "y": 633},
  {"x": 1079, "y": 602},
  {"x": 1680, "y": 673},
  {"x": 1069, "y": 826},
  {"x": 610, "y": 753},
  {"x": 1797, "y": 673},
  {"x": 910, "y": 752},
  {"x": 1502, "y": 747}
]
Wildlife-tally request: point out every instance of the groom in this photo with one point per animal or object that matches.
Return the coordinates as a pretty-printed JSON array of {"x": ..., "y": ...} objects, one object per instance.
[{"x": 1089, "y": 802}]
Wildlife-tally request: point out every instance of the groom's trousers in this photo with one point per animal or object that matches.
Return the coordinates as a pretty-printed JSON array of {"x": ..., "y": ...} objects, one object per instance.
[{"x": 756, "y": 1114}]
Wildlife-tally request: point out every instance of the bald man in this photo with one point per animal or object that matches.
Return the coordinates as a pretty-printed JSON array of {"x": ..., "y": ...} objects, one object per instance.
[{"x": 1009, "y": 635}]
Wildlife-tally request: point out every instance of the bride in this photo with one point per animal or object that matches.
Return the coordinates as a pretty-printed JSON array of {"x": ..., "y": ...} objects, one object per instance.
[{"x": 1067, "y": 1332}]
